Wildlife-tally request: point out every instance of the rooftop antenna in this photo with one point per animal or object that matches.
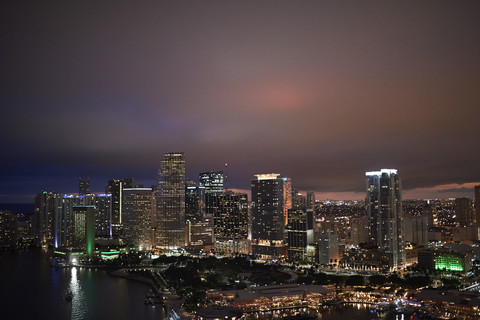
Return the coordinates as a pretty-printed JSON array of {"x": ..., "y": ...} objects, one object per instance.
[{"x": 225, "y": 176}]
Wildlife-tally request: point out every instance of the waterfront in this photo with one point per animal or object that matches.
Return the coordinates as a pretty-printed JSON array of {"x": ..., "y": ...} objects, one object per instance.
[{"x": 31, "y": 288}]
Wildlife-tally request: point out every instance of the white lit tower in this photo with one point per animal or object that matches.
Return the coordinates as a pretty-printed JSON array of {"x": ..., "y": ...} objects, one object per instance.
[{"x": 384, "y": 214}]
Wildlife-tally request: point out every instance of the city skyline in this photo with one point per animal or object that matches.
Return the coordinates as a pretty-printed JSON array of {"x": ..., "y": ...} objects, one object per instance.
[{"x": 318, "y": 92}]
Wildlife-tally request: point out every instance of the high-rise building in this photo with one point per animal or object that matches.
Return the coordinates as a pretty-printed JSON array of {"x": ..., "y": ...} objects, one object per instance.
[
  {"x": 115, "y": 188},
  {"x": 311, "y": 200},
  {"x": 299, "y": 201},
  {"x": 194, "y": 207},
  {"x": 477, "y": 205},
  {"x": 287, "y": 197},
  {"x": 328, "y": 250},
  {"x": 103, "y": 213},
  {"x": 84, "y": 186},
  {"x": 384, "y": 214},
  {"x": 46, "y": 204},
  {"x": 299, "y": 233},
  {"x": 83, "y": 229},
  {"x": 464, "y": 212},
  {"x": 268, "y": 216},
  {"x": 171, "y": 202},
  {"x": 138, "y": 210},
  {"x": 416, "y": 229},
  {"x": 8, "y": 230},
  {"x": 212, "y": 181},
  {"x": 63, "y": 220},
  {"x": 200, "y": 232},
  {"x": 230, "y": 213}
]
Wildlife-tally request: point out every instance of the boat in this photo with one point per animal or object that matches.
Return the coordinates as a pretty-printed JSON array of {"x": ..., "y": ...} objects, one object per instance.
[
  {"x": 68, "y": 296},
  {"x": 58, "y": 263}
]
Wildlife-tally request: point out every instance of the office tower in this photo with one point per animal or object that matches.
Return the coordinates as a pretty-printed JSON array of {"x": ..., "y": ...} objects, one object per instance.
[
  {"x": 212, "y": 181},
  {"x": 328, "y": 249},
  {"x": 311, "y": 200},
  {"x": 193, "y": 204},
  {"x": 384, "y": 214},
  {"x": 83, "y": 228},
  {"x": 299, "y": 233},
  {"x": 230, "y": 213},
  {"x": 464, "y": 212},
  {"x": 45, "y": 206},
  {"x": 64, "y": 219},
  {"x": 299, "y": 201},
  {"x": 200, "y": 232},
  {"x": 103, "y": 213},
  {"x": 268, "y": 217},
  {"x": 416, "y": 229},
  {"x": 171, "y": 201},
  {"x": 477, "y": 205},
  {"x": 84, "y": 186},
  {"x": 115, "y": 188},
  {"x": 8, "y": 230},
  {"x": 430, "y": 211},
  {"x": 287, "y": 197},
  {"x": 138, "y": 210}
]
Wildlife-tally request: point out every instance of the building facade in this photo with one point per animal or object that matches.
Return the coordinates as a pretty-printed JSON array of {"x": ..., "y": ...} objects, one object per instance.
[
  {"x": 384, "y": 214},
  {"x": 299, "y": 233},
  {"x": 171, "y": 202},
  {"x": 268, "y": 216},
  {"x": 138, "y": 210},
  {"x": 230, "y": 212}
]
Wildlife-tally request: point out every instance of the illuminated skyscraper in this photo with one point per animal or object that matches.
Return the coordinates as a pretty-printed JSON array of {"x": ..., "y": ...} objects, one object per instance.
[
  {"x": 299, "y": 233},
  {"x": 138, "y": 210},
  {"x": 212, "y": 181},
  {"x": 115, "y": 188},
  {"x": 103, "y": 213},
  {"x": 230, "y": 212},
  {"x": 8, "y": 230},
  {"x": 287, "y": 197},
  {"x": 477, "y": 205},
  {"x": 83, "y": 228},
  {"x": 268, "y": 216},
  {"x": 171, "y": 202},
  {"x": 64, "y": 220},
  {"x": 46, "y": 204},
  {"x": 311, "y": 200},
  {"x": 194, "y": 206},
  {"x": 464, "y": 212},
  {"x": 384, "y": 214}
]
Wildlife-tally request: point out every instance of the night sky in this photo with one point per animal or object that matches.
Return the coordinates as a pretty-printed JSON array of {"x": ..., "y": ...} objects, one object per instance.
[{"x": 320, "y": 91}]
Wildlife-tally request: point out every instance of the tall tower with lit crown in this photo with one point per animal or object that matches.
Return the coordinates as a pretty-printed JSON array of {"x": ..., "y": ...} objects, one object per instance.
[
  {"x": 171, "y": 202},
  {"x": 384, "y": 214}
]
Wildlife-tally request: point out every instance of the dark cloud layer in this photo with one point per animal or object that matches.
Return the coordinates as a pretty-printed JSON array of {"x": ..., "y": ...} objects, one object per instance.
[{"x": 318, "y": 91}]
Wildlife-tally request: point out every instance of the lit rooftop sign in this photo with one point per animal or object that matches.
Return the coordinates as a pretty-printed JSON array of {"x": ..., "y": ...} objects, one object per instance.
[
  {"x": 267, "y": 176},
  {"x": 379, "y": 173}
]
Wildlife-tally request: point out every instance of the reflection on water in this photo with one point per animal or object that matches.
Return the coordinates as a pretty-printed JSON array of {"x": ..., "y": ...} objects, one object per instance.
[
  {"x": 79, "y": 307},
  {"x": 31, "y": 289}
]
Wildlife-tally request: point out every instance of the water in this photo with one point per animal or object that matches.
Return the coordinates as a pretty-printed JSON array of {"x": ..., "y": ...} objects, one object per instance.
[
  {"x": 356, "y": 312},
  {"x": 31, "y": 289}
]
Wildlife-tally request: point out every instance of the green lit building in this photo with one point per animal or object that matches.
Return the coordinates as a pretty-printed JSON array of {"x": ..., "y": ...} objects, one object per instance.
[
  {"x": 444, "y": 260},
  {"x": 83, "y": 228},
  {"x": 450, "y": 261}
]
